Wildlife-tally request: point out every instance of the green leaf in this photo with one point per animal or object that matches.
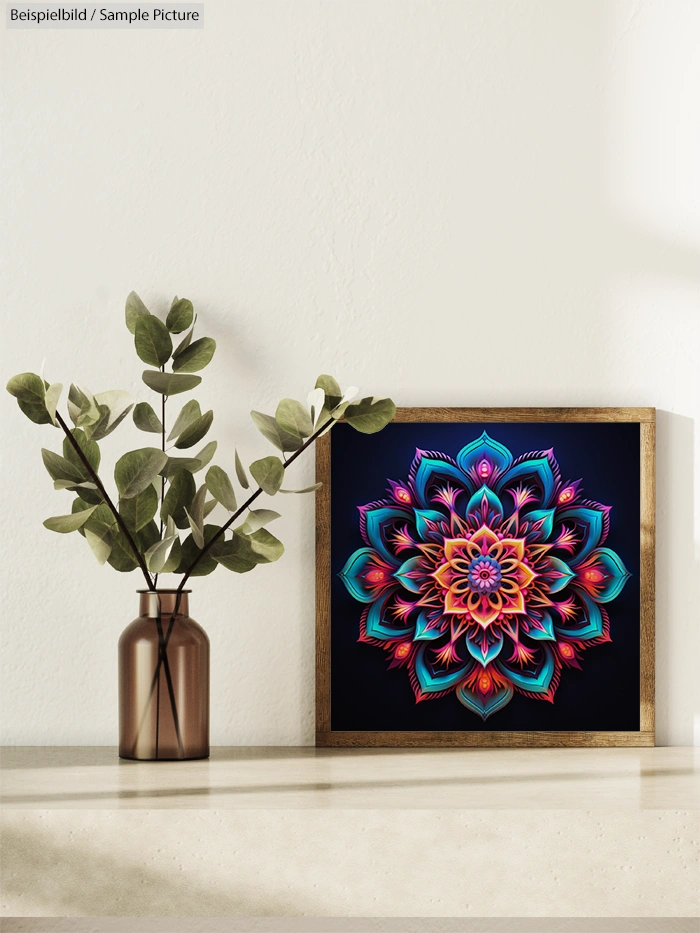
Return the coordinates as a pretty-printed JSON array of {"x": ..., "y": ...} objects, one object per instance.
[
  {"x": 173, "y": 561},
  {"x": 60, "y": 468},
  {"x": 256, "y": 519},
  {"x": 265, "y": 547},
  {"x": 195, "y": 356},
  {"x": 177, "y": 465},
  {"x": 180, "y": 315},
  {"x": 29, "y": 390},
  {"x": 205, "y": 455},
  {"x": 35, "y": 411},
  {"x": 370, "y": 415},
  {"x": 219, "y": 485},
  {"x": 64, "y": 524},
  {"x": 195, "y": 432},
  {"x": 89, "y": 448},
  {"x": 190, "y": 551},
  {"x": 242, "y": 552},
  {"x": 333, "y": 391},
  {"x": 300, "y": 491},
  {"x": 113, "y": 408},
  {"x": 52, "y": 398},
  {"x": 137, "y": 469},
  {"x": 79, "y": 505},
  {"x": 101, "y": 519},
  {"x": 152, "y": 340},
  {"x": 137, "y": 511},
  {"x": 146, "y": 419},
  {"x": 157, "y": 555},
  {"x": 135, "y": 309},
  {"x": 209, "y": 507},
  {"x": 276, "y": 435},
  {"x": 240, "y": 472},
  {"x": 100, "y": 543},
  {"x": 169, "y": 383},
  {"x": 292, "y": 417},
  {"x": 268, "y": 473},
  {"x": 189, "y": 413},
  {"x": 70, "y": 484},
  {"x": 186, "y": 340},
  {"x": 195, "y": 516},
  {"x": 235, "y": 554},
  {"x": 179, "y": 496},
  {"x": 147, "y": 537},
  {"x": 27, "y": 386},
  {"x": 121, "y": 557},
  {"x": 82, "y": 407}
]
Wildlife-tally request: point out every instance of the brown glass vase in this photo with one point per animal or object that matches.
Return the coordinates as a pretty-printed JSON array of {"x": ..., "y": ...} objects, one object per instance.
[{"x": 163, "y": 682}]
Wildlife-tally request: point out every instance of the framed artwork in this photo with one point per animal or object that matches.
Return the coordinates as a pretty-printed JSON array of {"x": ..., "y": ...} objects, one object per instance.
[{"x": 486, "y": 577}]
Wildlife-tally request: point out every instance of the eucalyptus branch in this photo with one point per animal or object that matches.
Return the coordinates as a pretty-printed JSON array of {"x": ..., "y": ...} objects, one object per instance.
[
  {"x": 98, "y": 482},
  {"x": 207, "y": 547},
  {"x": 224, "y": 528}
]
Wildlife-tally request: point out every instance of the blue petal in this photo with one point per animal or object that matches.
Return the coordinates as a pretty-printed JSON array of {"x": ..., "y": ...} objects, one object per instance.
[
  {"x": 485, "y": 448},
  {"x": 422, "y": 516},
  {"x": 375, "y": 520},
  {"x": 351, "y": 575},
  {"x": 378, "y": 627},
  {"x": 494, "y": 503},
  {"x": 423, "y": 632},
  {"x": 403, "y": 574},
  {"x": 434, "y": 683},
  {"x": 492, "y": 651},
  {"x": 484, "y": 707},
  {"x": 567, "y": 574},
  {"x": 532, "y": 683},
  {"x": 431, "y": 471},
  {"x": 548, "y": 626},
  {"x": 546, "y": 516},
  {"x": 613, "y": 567},
  {"x": 591, "y": 521},
  {"x": 539, "y": 469}
]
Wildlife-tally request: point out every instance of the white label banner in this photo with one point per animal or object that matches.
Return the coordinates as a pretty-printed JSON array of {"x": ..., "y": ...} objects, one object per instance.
[{"x": 104, "y": 16}]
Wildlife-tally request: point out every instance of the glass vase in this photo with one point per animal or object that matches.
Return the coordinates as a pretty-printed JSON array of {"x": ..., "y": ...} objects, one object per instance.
[{"x": 163, "y": 682}]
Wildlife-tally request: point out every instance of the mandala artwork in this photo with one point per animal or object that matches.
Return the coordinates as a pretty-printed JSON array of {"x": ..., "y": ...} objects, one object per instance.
[{"x": 484, "y": 576}]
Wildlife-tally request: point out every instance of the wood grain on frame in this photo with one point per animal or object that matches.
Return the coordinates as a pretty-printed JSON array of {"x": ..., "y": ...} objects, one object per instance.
[{"x": 325, "y": 737}]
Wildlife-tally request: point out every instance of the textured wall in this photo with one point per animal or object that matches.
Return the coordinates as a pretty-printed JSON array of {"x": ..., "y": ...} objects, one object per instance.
[{"x": 473, "y": 203}]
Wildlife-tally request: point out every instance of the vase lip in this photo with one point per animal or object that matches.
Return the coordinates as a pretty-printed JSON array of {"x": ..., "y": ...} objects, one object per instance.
[{"x": 164, "y": 590}]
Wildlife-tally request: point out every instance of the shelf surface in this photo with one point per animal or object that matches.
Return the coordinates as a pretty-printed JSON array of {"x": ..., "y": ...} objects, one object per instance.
[
  {"x": 300, "y": 778},
  {"x": 290, "y": 832}
]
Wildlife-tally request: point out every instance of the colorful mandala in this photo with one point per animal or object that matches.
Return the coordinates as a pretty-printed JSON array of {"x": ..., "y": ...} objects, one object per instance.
[{"x": 485, "y": 575}]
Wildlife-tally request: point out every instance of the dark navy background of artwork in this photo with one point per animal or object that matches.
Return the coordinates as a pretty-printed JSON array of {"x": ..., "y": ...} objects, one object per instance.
[{"x": 603, "y": 696}]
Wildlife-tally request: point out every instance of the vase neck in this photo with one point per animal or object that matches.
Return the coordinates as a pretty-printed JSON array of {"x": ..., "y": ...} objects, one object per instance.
[{"x": 149, "y": 602}]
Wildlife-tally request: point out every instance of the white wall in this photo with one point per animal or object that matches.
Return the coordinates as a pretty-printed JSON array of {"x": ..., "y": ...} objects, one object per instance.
[{"x": 468, "y": 203}]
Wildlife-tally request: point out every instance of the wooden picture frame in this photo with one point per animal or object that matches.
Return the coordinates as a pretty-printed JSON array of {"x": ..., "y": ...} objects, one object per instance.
[{"x": 645, "y": 736}]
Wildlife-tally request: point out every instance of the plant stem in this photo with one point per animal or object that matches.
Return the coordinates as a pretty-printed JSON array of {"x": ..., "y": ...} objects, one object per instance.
[
  {"x": 162, "y": 479},
  {"x": 224, "y": 528},
  {"x": 98, "y": 482},
  {"x": 169, "y": 681},
  {"x": 208, "y": 547}
]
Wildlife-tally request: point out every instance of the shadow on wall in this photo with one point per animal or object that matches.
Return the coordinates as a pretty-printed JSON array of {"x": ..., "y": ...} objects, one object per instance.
[
  {"x": 77, "y": 878},
  {"x": 675, "y": 560}
]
